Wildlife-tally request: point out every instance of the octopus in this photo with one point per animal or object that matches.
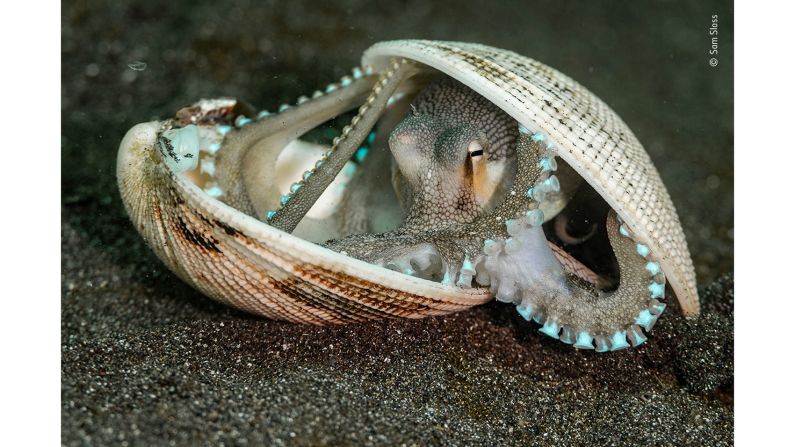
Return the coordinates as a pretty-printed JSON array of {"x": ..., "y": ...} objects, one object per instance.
[
  {"x": 453, "y": 191},
  {"x": 465, "y": 172}
]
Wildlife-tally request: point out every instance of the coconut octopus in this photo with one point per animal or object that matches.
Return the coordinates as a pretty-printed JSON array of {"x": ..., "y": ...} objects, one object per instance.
[{"x": 433, "y": 199}]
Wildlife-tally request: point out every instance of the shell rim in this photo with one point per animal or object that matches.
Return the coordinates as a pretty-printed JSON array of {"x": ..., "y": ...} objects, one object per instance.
[{"x": 320, "y": 256}]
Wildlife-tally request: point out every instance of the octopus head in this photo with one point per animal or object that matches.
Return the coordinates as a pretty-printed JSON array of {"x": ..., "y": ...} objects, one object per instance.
[
  {"x": 454, "y": 156},
  {"x": 443, "y": 171}
]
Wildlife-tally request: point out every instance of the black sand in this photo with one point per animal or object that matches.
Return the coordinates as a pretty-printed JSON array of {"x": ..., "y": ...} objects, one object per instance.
[{"x": 149, "y": 361}]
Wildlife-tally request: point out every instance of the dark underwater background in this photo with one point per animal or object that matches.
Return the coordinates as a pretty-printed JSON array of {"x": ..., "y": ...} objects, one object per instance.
[{"x": 146, "y": 360}]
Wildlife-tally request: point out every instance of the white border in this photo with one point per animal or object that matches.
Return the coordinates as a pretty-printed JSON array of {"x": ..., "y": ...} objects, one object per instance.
[
  {"x": 30, "y": 224},
  {"x": 30, "y": 327},
  {"x": 765, "y": 168}
]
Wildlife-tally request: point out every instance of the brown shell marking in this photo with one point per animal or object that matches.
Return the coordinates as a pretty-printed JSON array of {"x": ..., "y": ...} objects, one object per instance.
[{"x": 247, "y": 264}]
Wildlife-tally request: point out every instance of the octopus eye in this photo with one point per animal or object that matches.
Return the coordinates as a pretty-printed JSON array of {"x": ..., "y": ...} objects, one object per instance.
[{"x": 475, "y": 149}]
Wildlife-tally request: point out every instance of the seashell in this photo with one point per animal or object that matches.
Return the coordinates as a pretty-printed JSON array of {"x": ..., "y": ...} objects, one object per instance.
[{"x": 315, "y": 232}]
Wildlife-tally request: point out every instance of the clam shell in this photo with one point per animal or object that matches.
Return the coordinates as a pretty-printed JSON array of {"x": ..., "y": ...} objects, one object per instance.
[{"x": 245, "y": 263}]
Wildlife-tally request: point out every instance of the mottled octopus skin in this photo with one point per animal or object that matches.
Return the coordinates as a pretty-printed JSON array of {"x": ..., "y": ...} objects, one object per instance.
[{"x": 243, "y": 262}]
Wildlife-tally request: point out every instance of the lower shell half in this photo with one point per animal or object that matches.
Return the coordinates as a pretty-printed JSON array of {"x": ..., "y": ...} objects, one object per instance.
[{"x": 240, "y": 261}]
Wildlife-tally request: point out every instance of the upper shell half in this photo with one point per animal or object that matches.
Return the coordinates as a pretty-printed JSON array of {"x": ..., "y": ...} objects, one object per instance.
[{"x": 223, "y": 247}]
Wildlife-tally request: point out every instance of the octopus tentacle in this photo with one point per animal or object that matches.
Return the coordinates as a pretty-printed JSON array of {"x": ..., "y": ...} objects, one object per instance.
[
  {"x": 530, "y": 277},
  {"x": 247, "y": 156},
  {"x": 548, "y": 285},
  {"x": 297, "y": 203}
]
